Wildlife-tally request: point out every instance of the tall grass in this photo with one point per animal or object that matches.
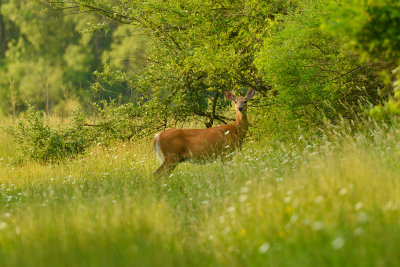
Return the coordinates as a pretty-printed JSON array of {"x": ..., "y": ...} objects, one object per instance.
[{"x": 335, "y": 202}]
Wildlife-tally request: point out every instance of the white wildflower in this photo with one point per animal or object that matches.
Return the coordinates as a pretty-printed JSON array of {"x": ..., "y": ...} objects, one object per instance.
[
  {"x": 343, "y": 191},
  {"x": 317, "y": 226},
  {"x": 358, "y": 231},
  {"x": 318, "y": 199},
  {"x": 358, "y": 206},
  {"x": 362, "y": 217},
  {"x": 264, "y": 248},
  {"x": 287, "y": 199},
  {"x": 242, "y": 198},
  {"x": 244, "y": 190},
  {"x": 3, "y": 225},
  {"x": 338, "y": 242},
  {"x": 294, "y": 218},
  {"x": 231, "y": 209}
]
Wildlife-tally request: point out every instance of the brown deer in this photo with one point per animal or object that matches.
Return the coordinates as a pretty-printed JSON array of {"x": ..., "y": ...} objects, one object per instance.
[{"x": 176, "y": 145}]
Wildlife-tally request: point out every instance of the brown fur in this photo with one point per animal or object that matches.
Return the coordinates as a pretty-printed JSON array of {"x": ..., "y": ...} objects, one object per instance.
[{"x": 177, "y": 145}]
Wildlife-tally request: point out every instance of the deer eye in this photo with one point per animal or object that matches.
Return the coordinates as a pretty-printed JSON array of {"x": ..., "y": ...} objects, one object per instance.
[{"x": 245, "y": 101}]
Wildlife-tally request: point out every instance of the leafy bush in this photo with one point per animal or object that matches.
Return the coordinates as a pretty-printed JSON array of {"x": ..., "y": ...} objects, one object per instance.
[
  {"x": 372, "y": 29},
  {"x": 36, "y": 140},
  {"x": 392, "y": 106}
]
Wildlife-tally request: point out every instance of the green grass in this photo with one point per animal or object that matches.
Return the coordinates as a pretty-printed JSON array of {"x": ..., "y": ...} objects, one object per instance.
[{"x": 332, "y": 204}]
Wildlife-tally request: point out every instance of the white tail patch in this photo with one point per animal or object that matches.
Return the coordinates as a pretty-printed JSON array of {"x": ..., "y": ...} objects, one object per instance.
[{"x": 157, "y": 148}]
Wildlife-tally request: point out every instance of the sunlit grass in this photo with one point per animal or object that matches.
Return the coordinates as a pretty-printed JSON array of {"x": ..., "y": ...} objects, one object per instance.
[{"x": 335, "y": 202}]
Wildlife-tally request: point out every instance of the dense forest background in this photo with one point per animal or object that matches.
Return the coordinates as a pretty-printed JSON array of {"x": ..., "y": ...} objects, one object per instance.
[
  {"x": 134, "y": 68},
  {"x": 48, "y": 59},
  {"x": 84, "y": 85}
]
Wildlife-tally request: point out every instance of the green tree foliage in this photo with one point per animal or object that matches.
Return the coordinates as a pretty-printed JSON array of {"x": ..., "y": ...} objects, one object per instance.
[
  {"x": 49, "y": 57},
  {"x": 309, "y": 61},
  {"x": 37, "y": 140},
  {"x": 197, "y": 49},
  {"x": 316, "y": 78},
  {"x": 372, "y": 29}
]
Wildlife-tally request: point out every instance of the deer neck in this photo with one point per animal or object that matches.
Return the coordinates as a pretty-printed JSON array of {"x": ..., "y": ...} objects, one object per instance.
[{"x": 241, "y": 122}]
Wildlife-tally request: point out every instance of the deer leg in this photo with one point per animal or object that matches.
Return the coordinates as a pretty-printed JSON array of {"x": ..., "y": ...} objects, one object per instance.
[{"x": 166, "y": 168}]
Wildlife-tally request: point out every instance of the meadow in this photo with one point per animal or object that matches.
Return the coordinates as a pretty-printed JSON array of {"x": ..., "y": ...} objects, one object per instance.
[{"x": 334, "y": 202}]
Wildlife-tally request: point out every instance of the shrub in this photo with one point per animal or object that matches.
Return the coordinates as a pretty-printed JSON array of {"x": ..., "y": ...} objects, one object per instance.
[{"x": 36, "y": 140}]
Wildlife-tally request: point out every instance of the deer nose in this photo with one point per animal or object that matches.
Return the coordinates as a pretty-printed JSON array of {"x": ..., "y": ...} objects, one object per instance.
[{"x": 240, "y": 108}]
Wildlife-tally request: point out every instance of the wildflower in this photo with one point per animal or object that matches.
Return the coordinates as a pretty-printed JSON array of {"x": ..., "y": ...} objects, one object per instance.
[
  {"x": 264, "y": 248},
  {"x": 358, "y": 206},
  {"x": 318, "y": 225},
  {"x": 358, "y": 231},
  {"x": 3, "y": 225},
  {"x": 227, "y": 230},
  {"x": 388, "y": 206},
  {"x": 294, "y": 218},
  {"x": 289, "y": 209},
  {"x": 243, "y": 232},
  {"x": 242, "y": 198},
  {"x": 362, "y": 217},
  {"x": 338, "y": 242},
  {"x": 231, "y": 209},
  {"x": 318, "y": 199},
  {"x": 244, "y": 190},
  {"x": 343, "y": 191}
]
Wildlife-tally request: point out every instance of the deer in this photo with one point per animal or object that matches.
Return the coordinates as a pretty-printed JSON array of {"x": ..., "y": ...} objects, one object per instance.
[{"x": 177, "y": 145}]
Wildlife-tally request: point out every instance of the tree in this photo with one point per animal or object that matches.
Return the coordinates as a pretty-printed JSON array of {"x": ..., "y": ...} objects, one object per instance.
[
  {"x": 196, "y": 49},
  {"x": 48, "y": 59},
  {"x": 372, "y": 29}
]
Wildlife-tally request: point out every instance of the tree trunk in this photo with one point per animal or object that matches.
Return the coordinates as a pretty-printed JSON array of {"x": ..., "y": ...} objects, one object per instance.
[{"x": 210, "y": 123}]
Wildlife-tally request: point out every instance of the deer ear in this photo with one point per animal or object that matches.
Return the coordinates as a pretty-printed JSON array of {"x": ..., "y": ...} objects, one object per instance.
[
  {"x": 229, "y": 95},
  {"x": 250, "y": 93}
]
